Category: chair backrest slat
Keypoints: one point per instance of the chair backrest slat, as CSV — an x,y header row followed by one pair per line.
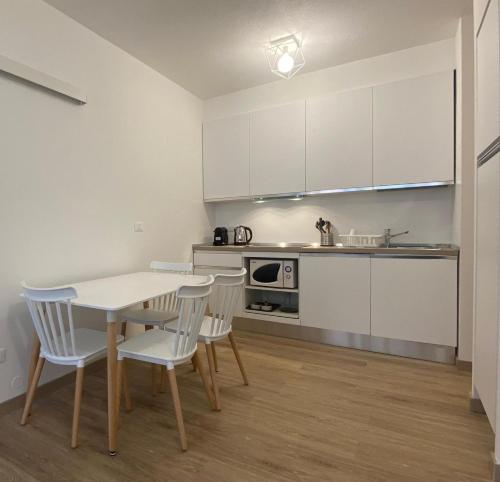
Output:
x,y
50,323
193,300
169,302
61,328
223,300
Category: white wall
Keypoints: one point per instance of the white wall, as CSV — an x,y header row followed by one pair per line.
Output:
x,y
74,179
427,213
422,60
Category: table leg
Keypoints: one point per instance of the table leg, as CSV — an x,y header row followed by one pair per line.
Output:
x,y
112,378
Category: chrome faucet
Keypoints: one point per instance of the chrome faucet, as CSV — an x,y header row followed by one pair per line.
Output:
x,y
388,236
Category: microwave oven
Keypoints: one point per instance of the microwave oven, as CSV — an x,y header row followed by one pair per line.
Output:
x,y
277,273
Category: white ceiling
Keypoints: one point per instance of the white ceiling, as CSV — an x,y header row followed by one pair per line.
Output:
x,y
213,47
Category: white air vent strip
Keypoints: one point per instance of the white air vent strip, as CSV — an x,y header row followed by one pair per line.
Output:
x,y
41,79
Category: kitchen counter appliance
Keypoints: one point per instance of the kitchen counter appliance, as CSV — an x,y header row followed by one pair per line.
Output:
x,y
242,235
220,236
276,273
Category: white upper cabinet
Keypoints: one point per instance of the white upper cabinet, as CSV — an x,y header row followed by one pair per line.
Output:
x,y
414,299
339,141
488,79
413,130
226,157
277,150
335,292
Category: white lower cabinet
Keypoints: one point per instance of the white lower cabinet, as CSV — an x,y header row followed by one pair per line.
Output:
x,y
335,292
414,299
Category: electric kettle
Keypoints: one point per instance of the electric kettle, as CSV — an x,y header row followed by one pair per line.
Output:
x,y
242,235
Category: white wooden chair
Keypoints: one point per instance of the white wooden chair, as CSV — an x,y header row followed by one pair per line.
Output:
x,y
62,344
170,349
226,292
157,311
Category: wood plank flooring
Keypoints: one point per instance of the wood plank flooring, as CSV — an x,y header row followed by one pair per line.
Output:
x,y
311,413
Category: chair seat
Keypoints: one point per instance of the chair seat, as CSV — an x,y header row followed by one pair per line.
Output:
x,y
155,346
149,316
89,345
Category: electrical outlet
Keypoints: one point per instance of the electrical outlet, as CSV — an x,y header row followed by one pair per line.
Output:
x,y
138,227
3,354
17,382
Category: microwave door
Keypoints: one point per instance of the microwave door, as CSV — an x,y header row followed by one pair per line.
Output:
x,y
269,274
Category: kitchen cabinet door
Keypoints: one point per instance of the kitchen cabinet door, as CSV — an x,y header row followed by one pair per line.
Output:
x,y
487,284
335,292
488,79
339,141
414,299
277,150
226,157
413,130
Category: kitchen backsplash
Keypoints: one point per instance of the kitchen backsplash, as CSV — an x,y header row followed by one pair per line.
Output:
x,y
427,213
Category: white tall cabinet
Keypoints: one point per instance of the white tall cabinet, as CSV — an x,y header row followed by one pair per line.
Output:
x,y
413,125
486,357
277,149
339,141
335,292
487,284
226,158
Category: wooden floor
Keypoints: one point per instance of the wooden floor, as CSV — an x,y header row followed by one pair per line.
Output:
x,y
311,412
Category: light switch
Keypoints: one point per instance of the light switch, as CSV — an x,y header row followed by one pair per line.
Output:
x,y
138,227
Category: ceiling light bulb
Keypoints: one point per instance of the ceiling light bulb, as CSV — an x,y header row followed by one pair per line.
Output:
x,y
285,63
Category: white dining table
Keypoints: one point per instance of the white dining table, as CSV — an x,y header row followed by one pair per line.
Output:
x,y
112,295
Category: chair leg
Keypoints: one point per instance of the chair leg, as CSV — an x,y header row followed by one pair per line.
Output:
x,y
211,366
163,379
31,391
206,382
35,355
177,407
76,407
193,361
119,380
154,383
238,358
128,400
124,329
215,356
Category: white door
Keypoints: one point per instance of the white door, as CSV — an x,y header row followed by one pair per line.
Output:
x,y
277,150
488,79
487,284
414,299
339,141
334,292
413,130
226,157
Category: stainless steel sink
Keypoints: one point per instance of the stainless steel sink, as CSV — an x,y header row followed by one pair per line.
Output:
x,y
420,246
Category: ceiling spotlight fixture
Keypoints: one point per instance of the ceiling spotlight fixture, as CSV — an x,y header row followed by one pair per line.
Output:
x,y
285,56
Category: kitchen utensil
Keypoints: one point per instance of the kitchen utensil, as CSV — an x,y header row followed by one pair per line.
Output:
x,y
326,232
242,235
362,240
